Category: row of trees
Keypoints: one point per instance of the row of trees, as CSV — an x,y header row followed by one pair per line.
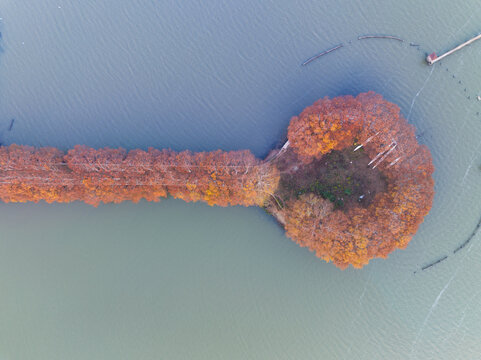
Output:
x,y
115,175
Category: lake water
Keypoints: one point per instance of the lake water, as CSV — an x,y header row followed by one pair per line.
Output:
x,y
187,281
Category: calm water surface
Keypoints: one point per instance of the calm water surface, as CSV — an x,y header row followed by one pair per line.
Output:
x,y
188,281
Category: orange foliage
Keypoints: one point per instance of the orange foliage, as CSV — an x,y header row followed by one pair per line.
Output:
x,y
356,235
346,237
114,175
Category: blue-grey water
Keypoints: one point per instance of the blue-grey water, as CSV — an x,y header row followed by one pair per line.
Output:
x,y
172,280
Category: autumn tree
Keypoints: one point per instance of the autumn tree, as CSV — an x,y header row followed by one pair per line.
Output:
x,y
115,175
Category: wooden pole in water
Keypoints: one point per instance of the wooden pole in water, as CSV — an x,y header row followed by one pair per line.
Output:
x,y
431,60
379,37
321,54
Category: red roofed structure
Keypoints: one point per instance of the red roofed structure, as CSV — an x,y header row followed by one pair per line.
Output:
x,y
430,58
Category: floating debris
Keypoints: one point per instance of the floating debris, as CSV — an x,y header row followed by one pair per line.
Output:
x,y
380,37
434,263
460,247
11,125
478,225
321,54
479,98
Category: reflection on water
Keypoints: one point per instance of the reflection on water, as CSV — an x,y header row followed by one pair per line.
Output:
x,y
189,281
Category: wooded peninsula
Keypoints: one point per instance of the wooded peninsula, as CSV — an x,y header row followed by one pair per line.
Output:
x,y
351,183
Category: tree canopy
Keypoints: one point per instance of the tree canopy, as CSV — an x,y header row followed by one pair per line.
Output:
x,y
356,234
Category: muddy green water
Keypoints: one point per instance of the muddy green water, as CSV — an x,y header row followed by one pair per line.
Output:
x,y
188,281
